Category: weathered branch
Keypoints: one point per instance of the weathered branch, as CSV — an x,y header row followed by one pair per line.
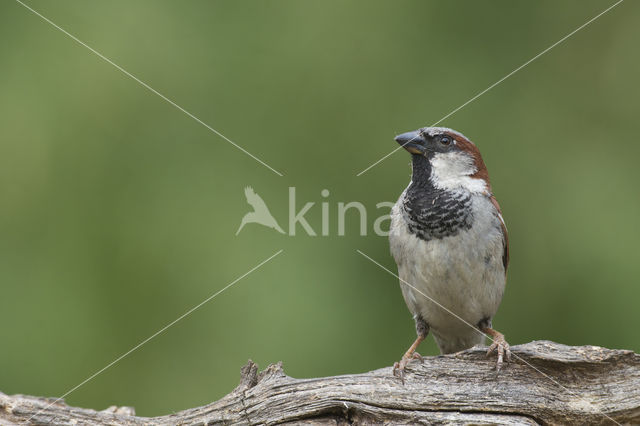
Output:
x,y
573,385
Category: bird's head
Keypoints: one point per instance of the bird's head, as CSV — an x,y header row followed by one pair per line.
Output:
x,y
447,158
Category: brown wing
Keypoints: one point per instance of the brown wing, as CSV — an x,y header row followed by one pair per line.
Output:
x,y
505,236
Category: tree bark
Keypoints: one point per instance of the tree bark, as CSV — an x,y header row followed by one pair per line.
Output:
x,y
545,383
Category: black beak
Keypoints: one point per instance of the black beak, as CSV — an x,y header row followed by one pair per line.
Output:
x,y
412,141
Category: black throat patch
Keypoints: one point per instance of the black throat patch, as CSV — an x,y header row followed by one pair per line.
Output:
x,y
433,213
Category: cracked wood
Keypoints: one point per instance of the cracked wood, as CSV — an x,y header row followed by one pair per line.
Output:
x,y
585,385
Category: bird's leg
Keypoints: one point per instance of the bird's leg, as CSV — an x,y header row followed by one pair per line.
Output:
x,y
398,367
499,343
422,329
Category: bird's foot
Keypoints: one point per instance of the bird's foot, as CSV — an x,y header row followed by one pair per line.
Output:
x,y
398,367
504,352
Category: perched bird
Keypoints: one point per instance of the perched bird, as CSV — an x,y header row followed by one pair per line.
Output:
x,y
449,240
260,213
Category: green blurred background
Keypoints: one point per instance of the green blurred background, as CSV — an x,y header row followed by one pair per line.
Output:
x,y
119,212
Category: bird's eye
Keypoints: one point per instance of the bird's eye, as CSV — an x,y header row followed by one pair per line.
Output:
x,y
445,140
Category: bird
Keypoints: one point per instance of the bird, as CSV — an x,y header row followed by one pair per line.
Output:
x,y
449,241
260,213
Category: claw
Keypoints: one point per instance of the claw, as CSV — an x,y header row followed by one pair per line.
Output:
x,y
398,371
398,367
502,347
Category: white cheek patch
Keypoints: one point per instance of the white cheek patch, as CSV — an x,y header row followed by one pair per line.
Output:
x,y
453,170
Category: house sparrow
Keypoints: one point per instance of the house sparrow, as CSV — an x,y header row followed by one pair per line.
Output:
x,y
449,240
